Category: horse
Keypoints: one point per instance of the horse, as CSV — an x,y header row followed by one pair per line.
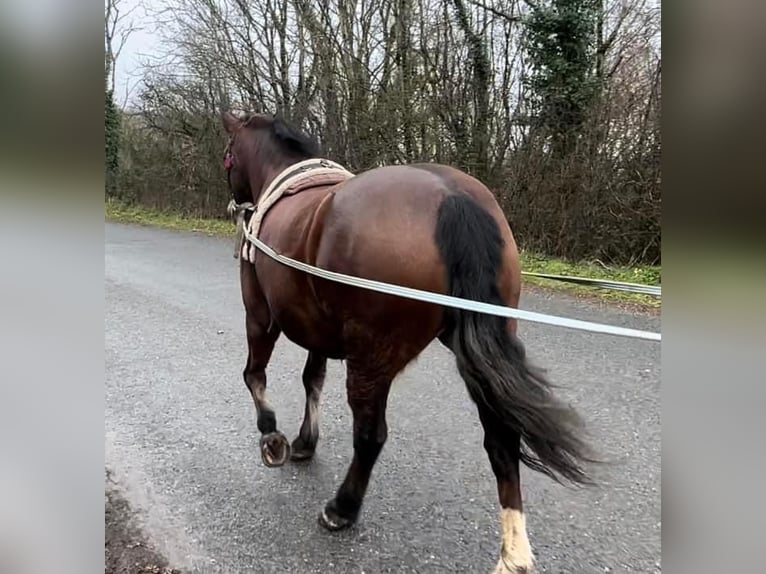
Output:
x,y
426,226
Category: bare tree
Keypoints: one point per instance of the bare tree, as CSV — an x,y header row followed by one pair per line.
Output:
x,y
393,81
118,27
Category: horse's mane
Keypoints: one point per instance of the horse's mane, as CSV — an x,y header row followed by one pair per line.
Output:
x,y
290,139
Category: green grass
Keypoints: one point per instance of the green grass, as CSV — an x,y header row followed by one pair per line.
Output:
x,y
643,274
117,211
647,275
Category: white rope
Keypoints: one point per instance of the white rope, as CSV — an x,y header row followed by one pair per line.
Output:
x,y
449,301
286,175
603,283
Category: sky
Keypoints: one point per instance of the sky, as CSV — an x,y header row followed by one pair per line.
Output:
x,y
141,43
145,42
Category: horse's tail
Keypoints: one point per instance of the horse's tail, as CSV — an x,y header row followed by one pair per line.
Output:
x,y
513,394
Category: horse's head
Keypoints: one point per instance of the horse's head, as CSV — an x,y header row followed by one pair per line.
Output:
x,y
260,146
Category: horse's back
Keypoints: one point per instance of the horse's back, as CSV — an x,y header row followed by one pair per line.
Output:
x,y
381,226
385,221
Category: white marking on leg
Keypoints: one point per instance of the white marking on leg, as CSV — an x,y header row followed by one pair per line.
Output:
x,y
516,556
259,397
314,417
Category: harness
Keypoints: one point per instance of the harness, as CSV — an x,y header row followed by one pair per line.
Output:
x,y
320,172
311,173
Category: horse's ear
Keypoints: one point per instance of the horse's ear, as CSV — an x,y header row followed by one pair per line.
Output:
x,y
259,121
231,123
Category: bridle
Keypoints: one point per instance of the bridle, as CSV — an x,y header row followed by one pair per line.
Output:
x,y
237,211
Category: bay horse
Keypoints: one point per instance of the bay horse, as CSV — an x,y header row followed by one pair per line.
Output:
x,y
426,226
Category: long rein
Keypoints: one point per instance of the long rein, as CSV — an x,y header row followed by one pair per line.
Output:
x,y
238,211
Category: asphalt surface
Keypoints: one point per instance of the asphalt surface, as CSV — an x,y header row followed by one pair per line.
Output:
x,y
181,436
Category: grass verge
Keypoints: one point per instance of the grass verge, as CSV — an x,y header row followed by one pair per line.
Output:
x,y
643,274
647,275
117,211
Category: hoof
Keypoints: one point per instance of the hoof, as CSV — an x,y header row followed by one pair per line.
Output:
x,y
275,450
332,521
301,451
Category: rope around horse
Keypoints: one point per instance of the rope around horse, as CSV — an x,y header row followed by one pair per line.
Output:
x,y
437,298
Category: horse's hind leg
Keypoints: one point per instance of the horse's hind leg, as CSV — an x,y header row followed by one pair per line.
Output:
x,y
260,341
313,381
367,397
504,454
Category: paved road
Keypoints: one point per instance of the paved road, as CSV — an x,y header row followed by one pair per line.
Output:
x,y
181,436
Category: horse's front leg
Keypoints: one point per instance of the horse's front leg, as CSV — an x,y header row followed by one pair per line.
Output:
x,y
275,449
313,381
